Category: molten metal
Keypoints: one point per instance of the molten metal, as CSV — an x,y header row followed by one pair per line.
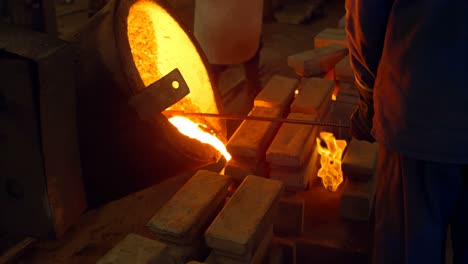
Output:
x,y
330,160
159,45
193,130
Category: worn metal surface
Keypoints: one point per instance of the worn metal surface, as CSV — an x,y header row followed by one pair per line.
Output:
x,y
40,161
160,95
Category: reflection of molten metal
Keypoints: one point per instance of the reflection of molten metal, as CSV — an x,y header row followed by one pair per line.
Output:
x,y
192,130
330,160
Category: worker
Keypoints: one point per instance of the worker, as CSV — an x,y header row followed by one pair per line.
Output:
x,y
410,60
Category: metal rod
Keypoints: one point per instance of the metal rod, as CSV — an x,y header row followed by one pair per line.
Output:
x,y
258,118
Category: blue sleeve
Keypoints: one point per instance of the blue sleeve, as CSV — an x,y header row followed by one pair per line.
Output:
x,y
366,25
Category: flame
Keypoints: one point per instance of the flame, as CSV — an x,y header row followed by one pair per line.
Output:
x,y
333,97
330,160
335,92
193,130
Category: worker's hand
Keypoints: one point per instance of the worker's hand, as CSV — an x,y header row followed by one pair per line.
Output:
x,y
361,119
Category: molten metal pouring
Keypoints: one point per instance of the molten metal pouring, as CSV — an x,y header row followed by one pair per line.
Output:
x,y
171,113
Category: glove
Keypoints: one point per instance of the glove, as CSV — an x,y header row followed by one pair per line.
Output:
x,y
361,119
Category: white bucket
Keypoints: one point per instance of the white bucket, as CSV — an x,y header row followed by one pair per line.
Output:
x,y
228,31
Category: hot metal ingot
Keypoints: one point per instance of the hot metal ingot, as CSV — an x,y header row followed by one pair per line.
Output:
x,y
160,95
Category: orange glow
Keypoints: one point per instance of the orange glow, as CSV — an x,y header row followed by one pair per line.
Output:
x,y
330,160
193,130
296,92
330,75
335,92
159,45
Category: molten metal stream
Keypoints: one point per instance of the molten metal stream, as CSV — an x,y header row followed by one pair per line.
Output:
x,y
193,130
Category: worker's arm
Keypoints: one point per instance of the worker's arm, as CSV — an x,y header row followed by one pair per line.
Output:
x,y
366,24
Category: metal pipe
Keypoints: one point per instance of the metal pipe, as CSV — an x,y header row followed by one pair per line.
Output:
x,y
172,113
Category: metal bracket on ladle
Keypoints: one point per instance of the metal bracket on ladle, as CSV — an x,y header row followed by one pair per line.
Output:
x,y
160,95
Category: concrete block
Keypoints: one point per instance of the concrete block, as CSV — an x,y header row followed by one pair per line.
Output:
x,y
330,36
239,227
269,9
314,97
348,89
297,180
288,247
347,99
342,22
181,254
347,93
252,138
357,199
293,143
277,93
258,257
186,215
290,219
342,111
316,61
211,258
343,71
345,104
298,12
238,170
360,160
139,250
276,255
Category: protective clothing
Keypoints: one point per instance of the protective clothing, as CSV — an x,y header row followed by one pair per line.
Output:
x,y
415,202
361,119
413,55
